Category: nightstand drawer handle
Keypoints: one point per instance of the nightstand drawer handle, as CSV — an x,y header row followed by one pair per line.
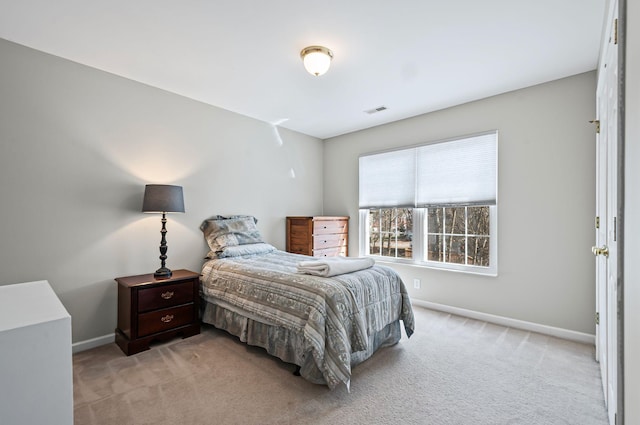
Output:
x,y
167,295
167,318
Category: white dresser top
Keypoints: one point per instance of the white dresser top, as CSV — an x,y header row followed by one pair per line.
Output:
x,y
25,304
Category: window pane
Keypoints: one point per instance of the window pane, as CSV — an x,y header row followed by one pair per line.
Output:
x,y
374,218
388,244
455,249
405,222
374,244
479,251
434,251
387,219
434,220
405,232
478,218
455,220
374,232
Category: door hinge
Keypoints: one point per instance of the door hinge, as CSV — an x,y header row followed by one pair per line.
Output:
x,y
597,318
615,228
615,31
597,123
597,222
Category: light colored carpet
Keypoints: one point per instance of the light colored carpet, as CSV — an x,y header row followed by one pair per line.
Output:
x,y
453,370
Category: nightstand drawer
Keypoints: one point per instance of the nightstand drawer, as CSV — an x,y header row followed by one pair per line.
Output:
x,y
162,320
165,296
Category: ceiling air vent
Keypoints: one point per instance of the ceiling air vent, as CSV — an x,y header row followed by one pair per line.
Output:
x,y
376,110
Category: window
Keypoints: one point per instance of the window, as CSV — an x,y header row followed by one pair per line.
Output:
x,y
390,231
459,235
432,205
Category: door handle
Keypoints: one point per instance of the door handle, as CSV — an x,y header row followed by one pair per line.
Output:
x,y
600,251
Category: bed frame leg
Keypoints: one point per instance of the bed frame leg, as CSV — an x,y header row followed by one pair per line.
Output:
x,y
297,371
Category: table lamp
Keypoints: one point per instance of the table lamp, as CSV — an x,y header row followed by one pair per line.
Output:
x,y
163,198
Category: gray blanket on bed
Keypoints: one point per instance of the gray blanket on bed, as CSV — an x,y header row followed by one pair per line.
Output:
x,y
336,315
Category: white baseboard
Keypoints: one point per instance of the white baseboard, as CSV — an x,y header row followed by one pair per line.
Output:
x,y
512,323
491,318
92,343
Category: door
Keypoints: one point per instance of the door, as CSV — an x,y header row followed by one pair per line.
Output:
x,y
606,221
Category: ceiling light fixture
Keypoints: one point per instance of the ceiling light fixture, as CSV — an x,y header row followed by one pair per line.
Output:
x,y
317,59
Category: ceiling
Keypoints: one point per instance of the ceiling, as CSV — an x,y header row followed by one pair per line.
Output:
x,y
412,56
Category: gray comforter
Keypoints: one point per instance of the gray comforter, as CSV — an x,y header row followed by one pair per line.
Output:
x,y
336,316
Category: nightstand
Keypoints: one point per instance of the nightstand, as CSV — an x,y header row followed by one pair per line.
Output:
x,y
156,309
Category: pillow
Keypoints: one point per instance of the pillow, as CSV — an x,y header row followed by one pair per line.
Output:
x,y
249,249
224,232
221,217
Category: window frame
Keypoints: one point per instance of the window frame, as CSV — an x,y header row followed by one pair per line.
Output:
x,y
449,173
420,239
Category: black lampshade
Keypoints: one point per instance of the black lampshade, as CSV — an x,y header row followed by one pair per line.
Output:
x,y
162,198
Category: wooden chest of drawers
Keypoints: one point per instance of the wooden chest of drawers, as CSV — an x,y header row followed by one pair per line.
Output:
x,y
156,309
320,236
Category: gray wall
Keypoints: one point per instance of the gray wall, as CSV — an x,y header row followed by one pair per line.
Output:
x,y
546,204
631,221
78,145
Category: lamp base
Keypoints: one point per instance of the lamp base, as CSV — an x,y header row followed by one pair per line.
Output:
x,y
162,273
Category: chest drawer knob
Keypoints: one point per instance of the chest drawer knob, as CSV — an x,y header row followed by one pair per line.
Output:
x,y
166,319
167,295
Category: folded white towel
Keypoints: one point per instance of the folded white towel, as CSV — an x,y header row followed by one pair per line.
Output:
x,y
332,266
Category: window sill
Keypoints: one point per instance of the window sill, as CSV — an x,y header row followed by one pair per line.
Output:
x,y
480,271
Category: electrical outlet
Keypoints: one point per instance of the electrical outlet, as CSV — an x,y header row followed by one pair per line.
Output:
x,y
416,283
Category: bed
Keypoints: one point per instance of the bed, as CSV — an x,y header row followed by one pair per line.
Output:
x,y
324,325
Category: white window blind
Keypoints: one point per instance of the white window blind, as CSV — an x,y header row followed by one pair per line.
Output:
x,y
457,172
388,179
461,171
